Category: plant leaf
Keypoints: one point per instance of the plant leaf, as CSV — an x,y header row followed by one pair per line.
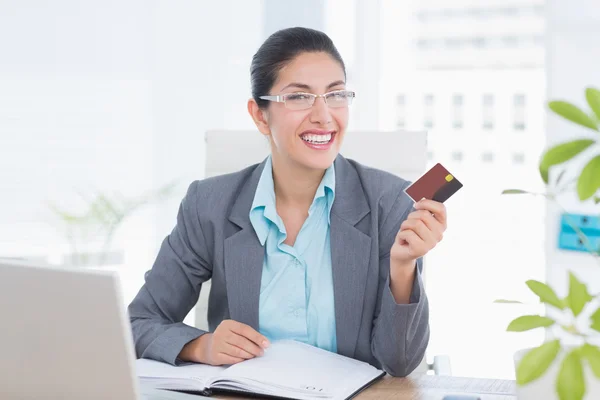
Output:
x,y
572,113
536,361
595,318
569,382
596,199
561,153
578,295
592,96
592,354
545,293
589,179
528,322
514,191
504,301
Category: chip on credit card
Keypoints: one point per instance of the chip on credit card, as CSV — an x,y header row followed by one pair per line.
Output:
x,y
436,184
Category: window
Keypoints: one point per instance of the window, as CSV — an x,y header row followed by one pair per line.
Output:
x,y
474,12
453,42
428,111
518,158
539,40
539,10
510,11
487,157
457,111
401,107
519,112
488,111
457,156
457,96
422,16
424,43
480,42
510,41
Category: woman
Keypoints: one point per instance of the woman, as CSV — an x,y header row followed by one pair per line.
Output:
x,y
306,245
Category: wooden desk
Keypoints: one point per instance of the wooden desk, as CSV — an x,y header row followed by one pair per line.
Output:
x,y
430,387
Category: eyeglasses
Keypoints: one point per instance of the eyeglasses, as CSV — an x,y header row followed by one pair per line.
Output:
x,y
303,101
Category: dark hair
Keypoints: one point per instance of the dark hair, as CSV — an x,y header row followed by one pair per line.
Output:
x,y
280,49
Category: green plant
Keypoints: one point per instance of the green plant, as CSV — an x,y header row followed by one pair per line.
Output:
x,y
570,383
104,213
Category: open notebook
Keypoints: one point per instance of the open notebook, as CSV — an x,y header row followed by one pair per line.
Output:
x,y
288,369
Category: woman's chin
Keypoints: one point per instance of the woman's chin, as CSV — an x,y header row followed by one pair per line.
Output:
x,y
320,162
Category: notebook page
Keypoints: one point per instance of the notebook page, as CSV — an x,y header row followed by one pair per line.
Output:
x,y
166,376
303,369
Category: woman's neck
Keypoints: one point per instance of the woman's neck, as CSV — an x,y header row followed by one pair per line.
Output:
x,y
295,186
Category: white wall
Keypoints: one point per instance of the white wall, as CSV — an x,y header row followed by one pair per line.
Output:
x,y
572,59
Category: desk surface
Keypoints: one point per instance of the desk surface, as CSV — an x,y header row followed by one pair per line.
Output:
x,y
429,387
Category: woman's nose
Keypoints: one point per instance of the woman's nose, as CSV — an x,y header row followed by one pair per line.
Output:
x,y
320,112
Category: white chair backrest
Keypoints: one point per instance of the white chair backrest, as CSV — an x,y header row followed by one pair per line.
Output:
x,y
403,153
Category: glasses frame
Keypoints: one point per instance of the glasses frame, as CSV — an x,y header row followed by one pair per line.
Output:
x,y
281,98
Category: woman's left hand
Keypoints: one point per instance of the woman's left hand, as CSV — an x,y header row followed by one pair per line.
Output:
x,y
422,230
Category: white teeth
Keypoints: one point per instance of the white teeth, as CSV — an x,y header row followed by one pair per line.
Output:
x,y
317,139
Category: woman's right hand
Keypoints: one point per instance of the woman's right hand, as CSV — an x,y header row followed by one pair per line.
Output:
x,y
231,343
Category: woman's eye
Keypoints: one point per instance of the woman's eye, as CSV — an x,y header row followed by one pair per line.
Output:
x,y
297,96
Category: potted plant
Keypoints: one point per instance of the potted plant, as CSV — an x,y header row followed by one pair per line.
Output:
x,y
567,365
90,233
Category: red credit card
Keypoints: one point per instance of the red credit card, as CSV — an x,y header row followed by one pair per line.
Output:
x,y
436,184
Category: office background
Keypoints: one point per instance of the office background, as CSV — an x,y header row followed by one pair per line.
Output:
x,y
114,97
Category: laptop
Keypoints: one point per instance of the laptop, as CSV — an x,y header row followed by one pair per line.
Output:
x,y
65,335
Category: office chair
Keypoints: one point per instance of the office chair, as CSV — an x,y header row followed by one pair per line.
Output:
x,y
403,153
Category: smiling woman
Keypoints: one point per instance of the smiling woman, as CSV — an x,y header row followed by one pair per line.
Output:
x,y
306,245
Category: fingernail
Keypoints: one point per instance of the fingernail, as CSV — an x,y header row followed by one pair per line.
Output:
x,y
265,344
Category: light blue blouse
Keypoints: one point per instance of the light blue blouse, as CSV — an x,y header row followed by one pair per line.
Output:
x,y
296,291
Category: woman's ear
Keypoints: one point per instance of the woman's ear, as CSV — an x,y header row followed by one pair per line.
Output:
x,y
259,117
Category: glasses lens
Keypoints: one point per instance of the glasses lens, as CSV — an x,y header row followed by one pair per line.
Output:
x,y
342,98
298,101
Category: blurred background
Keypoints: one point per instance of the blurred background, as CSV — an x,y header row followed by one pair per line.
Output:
x,y
104,106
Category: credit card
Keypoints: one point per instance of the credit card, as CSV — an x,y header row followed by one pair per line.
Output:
x,y
436,184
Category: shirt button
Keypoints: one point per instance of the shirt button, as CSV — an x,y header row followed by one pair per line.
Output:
x,y
297,263
297,313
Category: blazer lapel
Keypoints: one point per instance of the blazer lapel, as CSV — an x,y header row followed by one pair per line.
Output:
x,y
350,250
244,257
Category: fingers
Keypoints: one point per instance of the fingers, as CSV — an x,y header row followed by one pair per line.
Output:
x,y
413,240
419,227
233,342
436,208
432,224
250,334
245,348
408,236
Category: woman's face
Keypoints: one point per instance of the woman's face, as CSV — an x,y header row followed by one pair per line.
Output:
x,y
309,138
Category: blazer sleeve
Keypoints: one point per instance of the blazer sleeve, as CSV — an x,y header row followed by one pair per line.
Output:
x,y
172,288
400,331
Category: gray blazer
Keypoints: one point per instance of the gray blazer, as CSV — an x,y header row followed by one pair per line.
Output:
x,y
213,239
